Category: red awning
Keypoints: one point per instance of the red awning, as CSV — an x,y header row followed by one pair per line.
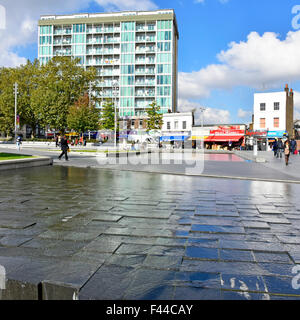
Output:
x,y
223,138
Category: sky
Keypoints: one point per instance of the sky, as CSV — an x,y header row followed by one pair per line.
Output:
x,y
228,49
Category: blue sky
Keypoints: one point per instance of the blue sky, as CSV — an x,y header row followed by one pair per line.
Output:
x,y
227,49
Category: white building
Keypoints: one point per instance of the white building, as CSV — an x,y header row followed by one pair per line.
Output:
x,y
179,122
273,112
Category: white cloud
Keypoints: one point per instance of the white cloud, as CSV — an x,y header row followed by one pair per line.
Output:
x,y
210,115
22,17
244,114
260,61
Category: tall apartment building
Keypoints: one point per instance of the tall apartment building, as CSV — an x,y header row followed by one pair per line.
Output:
x,y
134,53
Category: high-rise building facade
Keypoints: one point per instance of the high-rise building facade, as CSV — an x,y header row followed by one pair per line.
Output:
x,y
134,53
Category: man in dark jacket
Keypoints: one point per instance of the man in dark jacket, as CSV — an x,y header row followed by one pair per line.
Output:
x,y
64,147
293,145
275,148
280,148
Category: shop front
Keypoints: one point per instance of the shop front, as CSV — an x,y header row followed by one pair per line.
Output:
x,y
220,137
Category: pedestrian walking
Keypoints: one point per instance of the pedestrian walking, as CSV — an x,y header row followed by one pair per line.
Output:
x,y
64,147
280,148
56,141
19,142
275,147
293,146
287,151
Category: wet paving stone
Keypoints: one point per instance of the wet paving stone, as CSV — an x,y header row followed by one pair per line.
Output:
x,y
106,238
236,255
201,253
198,279
281,285
108,283
272,257
244,283
216,229
197,293
163,262
157,293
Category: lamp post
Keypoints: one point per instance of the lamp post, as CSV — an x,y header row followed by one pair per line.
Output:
x,y
115,88
16,102
202,109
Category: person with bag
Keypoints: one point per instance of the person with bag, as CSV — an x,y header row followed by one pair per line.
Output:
x,y
287,151
64,148
280,148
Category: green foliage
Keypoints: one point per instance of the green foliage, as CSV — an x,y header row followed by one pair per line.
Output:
x,y
46,92
83,116
7,100
155,118
61,82
107,121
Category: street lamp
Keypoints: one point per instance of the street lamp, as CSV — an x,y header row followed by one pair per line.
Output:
x,y
202,109
115,85
16,102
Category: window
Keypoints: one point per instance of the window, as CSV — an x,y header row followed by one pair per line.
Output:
x,y
276,122
78,28
168,125
163,79
79,38
128,36
129,80
262,107
262,123
164,68
164,46
164,58
128,26
183,124
127,91
127,69
176,125
127,47
276,106
164,35
127,58
164,24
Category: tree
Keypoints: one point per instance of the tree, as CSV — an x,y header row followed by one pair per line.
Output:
x,y
107,121
7,100
27,76
62,81
155,118
83,116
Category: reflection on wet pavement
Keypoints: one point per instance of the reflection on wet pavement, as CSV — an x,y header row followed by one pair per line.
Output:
x,y
97,234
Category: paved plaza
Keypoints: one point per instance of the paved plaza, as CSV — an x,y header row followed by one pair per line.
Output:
x,y
79,233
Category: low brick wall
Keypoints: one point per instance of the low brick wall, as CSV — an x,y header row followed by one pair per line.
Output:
x,y
25,163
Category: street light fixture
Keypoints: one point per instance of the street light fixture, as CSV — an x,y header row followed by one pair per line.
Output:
x,y
202,110
115,85
16,102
